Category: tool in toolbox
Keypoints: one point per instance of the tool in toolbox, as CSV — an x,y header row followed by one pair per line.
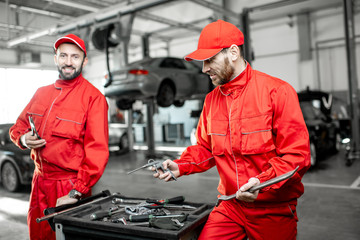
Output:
x,y
136,210
173,203
50,213
124,222
178,199
172,206
157,164
105,213
262,185
147,217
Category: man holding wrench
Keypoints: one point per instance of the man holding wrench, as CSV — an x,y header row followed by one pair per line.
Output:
x,y
252,129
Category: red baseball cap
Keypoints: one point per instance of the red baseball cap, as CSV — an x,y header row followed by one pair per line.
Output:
x,y
71,38
213,38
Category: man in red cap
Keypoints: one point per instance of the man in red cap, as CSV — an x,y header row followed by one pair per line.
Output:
x,y
252,129
71,152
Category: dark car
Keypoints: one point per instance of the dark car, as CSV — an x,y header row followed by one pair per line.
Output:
x,y
323,129
16,166
168,80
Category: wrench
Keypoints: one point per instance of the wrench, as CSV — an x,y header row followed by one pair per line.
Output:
x,y
261,185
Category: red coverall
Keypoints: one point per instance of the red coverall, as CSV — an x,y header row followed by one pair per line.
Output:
x,y
71,115
251,127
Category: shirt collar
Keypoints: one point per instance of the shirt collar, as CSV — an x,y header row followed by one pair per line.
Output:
x,y
237,82
60,83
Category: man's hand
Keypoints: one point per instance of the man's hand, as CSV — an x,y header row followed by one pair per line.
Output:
x,y
33,142
244,195
172,166
65,200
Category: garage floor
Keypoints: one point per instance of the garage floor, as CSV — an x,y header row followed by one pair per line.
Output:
x,y
329,209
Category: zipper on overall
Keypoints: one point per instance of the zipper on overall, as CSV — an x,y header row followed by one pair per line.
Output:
x,y
47,116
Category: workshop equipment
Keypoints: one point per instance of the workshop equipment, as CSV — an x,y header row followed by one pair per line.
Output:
x,y
107,219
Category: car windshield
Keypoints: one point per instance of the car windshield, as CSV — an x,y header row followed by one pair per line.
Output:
x,y
172,63
194,65
311,109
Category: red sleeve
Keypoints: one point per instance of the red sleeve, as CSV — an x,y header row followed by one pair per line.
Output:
x,y
291,137
21,125
95,146
197,158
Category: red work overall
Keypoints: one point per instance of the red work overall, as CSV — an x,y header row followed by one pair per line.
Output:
x,y
251,126
71,115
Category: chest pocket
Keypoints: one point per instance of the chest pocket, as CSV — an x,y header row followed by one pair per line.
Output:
x,y
256,135
37,112
69,124
217,132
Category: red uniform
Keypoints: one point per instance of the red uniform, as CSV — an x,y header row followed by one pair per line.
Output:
x,y
71,115
251,127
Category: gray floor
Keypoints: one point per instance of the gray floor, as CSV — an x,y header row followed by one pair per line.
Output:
x,y
329,209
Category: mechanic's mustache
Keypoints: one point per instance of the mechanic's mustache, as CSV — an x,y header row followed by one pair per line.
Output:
x,y
68,66
211,73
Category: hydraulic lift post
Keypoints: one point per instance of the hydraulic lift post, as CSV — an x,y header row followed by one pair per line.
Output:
x,y
150,139
354,152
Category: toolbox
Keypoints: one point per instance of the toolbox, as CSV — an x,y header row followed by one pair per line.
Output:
x,y
80,222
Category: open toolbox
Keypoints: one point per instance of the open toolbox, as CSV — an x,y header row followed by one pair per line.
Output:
x,y
117,217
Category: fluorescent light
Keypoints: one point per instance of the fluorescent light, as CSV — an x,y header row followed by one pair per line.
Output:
x,y
75,5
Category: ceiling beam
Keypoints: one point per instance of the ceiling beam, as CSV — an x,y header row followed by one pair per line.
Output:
x,y
286,8
168,21
75,5
103,15
217,8
35,10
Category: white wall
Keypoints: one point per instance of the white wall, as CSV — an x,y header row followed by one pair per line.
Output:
x,y
276,49
95,70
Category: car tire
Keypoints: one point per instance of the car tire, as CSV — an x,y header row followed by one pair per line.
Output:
x,y
124,143
179,103
124,104
313,153
166,95
337,143
9,177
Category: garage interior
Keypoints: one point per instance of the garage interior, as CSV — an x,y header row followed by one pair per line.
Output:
x,y
311,44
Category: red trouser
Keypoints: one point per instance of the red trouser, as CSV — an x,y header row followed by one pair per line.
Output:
x,y
44,194
239,220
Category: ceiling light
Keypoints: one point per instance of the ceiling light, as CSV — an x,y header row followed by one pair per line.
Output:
x,y
75,5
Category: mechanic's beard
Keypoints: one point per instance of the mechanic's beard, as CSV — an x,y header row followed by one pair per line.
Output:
x,y
69,77
226,74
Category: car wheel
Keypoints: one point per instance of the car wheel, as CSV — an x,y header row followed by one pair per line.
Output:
x,y
166,95
179,103
337,143
9,177
124,142
124,104
313,154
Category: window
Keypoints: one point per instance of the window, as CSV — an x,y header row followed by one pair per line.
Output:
x,y
17,86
